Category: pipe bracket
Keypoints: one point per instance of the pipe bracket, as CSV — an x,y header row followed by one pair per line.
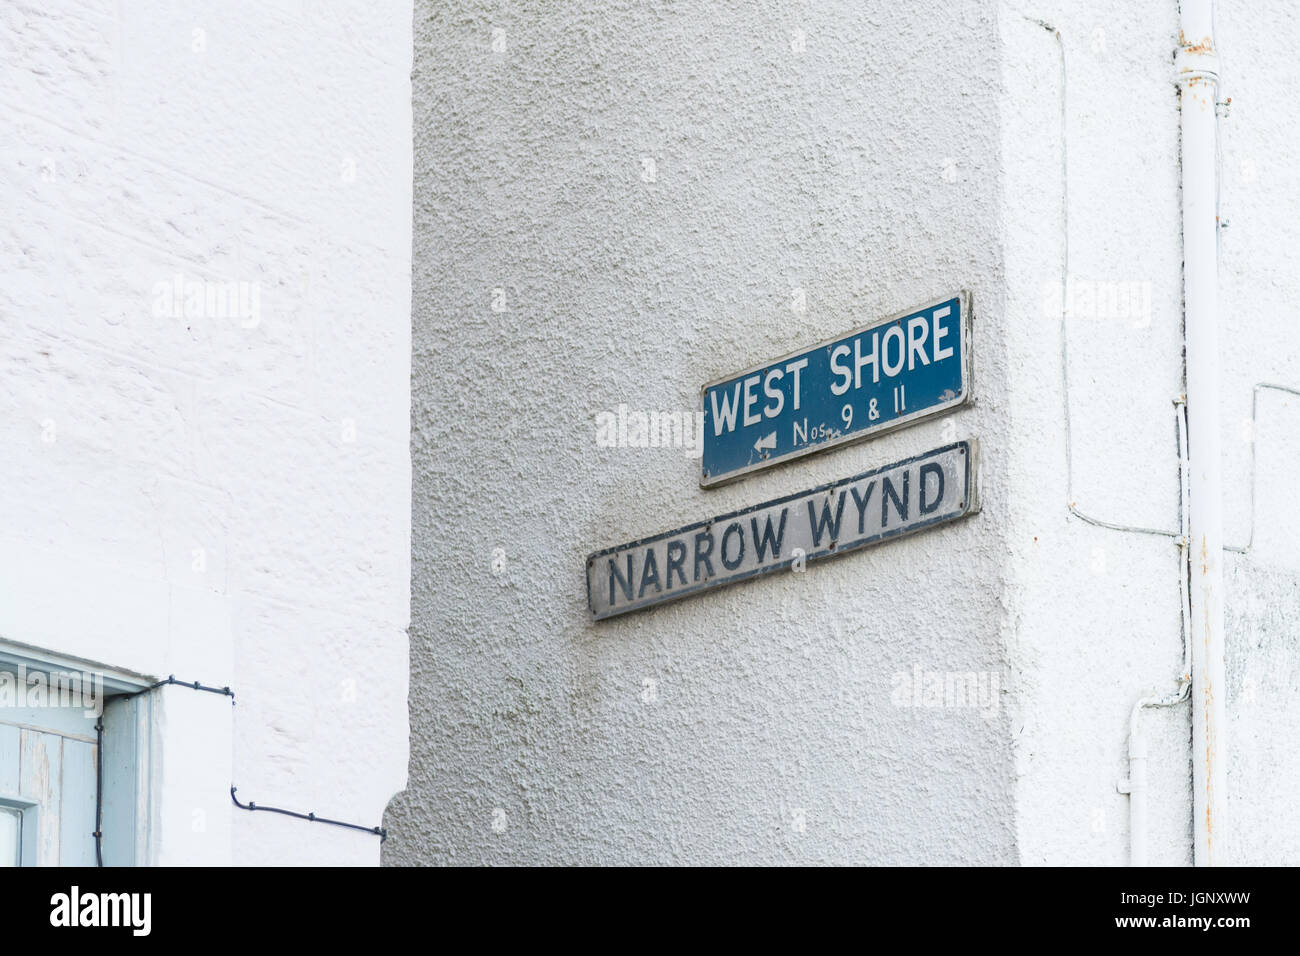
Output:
x,y
1196,63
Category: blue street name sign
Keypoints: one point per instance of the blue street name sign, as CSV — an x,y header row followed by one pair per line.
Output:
x,y
893,372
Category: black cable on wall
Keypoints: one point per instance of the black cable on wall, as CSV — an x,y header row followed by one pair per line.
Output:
x,y
250,806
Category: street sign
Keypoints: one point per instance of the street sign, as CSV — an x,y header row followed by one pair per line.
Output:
x,y
887,374
885,503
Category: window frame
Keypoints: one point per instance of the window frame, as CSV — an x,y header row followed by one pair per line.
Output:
x,y
125,757
28,822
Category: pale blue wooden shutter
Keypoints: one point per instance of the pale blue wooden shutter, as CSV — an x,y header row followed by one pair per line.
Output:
x,y
47,785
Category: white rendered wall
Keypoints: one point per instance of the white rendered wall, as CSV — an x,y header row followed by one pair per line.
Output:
x,y
1098,620
1098,609
615,204
223,498
1261,343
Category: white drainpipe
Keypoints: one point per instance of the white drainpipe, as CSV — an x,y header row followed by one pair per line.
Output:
x,y
1196,65
1135,785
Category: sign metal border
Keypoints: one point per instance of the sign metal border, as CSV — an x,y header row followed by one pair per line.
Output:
x,y
971,505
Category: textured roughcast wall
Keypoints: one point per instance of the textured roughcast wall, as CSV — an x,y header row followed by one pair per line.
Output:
x,y
1096,611
189,493
614,204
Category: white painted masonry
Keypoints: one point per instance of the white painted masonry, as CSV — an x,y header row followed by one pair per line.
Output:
x,y
616,204
216,490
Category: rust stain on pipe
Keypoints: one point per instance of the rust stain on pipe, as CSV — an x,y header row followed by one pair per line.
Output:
x,y
1207,693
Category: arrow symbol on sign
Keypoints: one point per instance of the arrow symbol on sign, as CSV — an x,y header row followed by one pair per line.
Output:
x,y
766,442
